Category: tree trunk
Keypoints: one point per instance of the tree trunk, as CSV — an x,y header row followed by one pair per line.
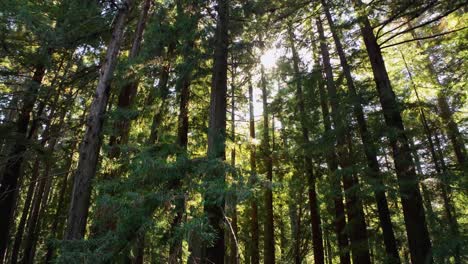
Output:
x,y
269,230
254,240
369,148
89,150
12,170
356,222
312,193
26,207
233,258
129,90
217,131
413,210
59,211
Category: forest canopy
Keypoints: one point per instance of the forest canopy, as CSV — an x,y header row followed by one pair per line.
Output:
x,y
233,131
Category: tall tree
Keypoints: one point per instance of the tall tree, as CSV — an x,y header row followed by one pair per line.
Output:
x,y
269,237
413,210
309,171
217,130
91,143
369,149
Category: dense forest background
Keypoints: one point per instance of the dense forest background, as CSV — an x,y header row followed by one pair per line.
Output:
x,y
233,131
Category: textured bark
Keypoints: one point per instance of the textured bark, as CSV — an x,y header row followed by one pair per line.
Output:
x,y
317,241
269,230
12,170
374,173
217,130
91,143
413,210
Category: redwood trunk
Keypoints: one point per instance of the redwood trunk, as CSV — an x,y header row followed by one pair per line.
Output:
x,y
217,130
413,210
369,149
89,150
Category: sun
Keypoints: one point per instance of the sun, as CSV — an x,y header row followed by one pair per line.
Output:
x,y
269,58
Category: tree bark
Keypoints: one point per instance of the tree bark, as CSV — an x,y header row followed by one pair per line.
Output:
x,y
89,150
374,173
413,210
217,130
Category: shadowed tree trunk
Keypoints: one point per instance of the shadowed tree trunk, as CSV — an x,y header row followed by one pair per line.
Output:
x,y
332,164
413,210
269,230
12,170
254,233
317,242
89,149
369,148
217,133
129,90
24,215
356,222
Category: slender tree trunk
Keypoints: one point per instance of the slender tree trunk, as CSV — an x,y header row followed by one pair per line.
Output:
x,y
217,131
356,221
59,211
89,150
27,205
183,86
332,163
269,230
254,241
369,148
12,171
129,90
413,210
233,258
317,241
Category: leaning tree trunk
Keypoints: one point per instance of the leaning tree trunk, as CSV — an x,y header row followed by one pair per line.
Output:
x,y
354,210
217,132
129,90
12,170
413,210
374,174
91,143
312,193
